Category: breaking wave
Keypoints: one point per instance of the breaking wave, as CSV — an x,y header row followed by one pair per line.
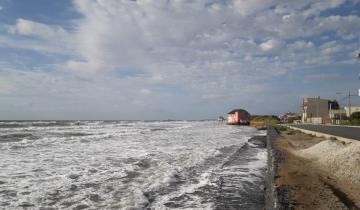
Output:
x,y
129,164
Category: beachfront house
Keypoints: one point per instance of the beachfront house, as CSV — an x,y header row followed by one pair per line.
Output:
x,y
239,117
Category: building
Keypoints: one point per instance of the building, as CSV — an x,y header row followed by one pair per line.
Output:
x,y
239,117
317,110
337,115
289,117
352,110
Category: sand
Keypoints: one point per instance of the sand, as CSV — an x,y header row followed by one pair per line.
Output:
x,y
319,173
340,159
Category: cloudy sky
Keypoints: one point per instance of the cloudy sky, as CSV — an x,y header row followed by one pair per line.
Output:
x,y
177,59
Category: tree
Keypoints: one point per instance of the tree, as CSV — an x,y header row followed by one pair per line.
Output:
x,y
355,116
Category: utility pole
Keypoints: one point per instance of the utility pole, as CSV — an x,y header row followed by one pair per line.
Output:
x,y
349,104
330,113
317,108
349,107
338,93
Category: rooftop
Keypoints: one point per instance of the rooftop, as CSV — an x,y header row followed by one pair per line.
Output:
x,y
238,110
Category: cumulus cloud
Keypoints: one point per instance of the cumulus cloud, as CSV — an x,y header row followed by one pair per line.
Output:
x,y
31,35
206,48
188,38
31,28
248,7
271,45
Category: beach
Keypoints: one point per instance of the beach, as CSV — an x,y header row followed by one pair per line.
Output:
x,y
318,173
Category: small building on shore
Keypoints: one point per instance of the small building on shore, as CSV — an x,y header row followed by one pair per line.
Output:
x,y
239,117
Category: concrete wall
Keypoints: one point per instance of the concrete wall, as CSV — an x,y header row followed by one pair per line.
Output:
x,y
275,197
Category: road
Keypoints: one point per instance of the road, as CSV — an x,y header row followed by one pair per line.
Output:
x,y
342,131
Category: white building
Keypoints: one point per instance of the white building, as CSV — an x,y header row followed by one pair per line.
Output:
x,y
352,110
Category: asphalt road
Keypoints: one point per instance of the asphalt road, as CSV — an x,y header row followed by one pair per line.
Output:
x,y
342,131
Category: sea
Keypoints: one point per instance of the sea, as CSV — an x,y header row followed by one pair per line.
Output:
x,y
131,165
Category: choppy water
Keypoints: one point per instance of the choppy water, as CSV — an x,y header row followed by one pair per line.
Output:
x,y
130,165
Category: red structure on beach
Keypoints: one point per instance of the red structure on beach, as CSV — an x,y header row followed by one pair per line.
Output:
x,y
239,117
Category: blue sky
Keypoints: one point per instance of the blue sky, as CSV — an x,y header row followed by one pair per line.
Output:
x,y
173,59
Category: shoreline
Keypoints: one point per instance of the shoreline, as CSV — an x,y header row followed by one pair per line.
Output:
x,y
303,163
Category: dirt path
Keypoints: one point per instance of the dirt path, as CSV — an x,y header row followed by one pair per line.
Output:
x,y
310,186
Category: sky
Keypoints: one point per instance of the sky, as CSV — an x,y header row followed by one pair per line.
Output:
x,y
174,59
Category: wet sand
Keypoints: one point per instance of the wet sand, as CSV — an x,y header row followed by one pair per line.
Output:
x,y
310,184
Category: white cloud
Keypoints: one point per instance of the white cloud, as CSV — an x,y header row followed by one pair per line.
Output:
x,y
249,7
145,91
205,48
30,35
31,28
172,39
271,45
301,45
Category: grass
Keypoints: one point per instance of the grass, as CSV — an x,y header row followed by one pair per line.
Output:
x,y
263,121
279,128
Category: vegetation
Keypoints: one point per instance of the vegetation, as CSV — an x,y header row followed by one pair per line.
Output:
x,y
355,118
263,121
279,128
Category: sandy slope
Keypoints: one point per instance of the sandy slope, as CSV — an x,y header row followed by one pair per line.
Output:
x,y
319,173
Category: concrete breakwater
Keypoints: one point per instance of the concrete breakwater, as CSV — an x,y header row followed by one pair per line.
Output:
x,y
275,197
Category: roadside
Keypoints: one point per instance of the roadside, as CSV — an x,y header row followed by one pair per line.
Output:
x,y
319,173
339,132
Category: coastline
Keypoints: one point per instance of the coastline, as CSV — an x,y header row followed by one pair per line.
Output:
x,y
276,197
308,172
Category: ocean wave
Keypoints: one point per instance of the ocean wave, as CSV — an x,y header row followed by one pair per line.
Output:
x,y
16,137
118,164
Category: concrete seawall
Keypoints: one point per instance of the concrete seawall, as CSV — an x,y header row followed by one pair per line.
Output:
x,y
275,197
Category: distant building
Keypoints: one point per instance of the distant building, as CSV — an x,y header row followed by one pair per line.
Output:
x,y
289,117
239,117
352,110
337,114
316,110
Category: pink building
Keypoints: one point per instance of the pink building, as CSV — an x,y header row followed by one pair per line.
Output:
x,y
239,117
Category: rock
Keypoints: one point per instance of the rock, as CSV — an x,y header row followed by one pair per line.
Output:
x,y
81,206
74,176
73,187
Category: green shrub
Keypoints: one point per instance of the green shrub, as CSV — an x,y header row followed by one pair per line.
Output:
x,y
280,128
355,116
